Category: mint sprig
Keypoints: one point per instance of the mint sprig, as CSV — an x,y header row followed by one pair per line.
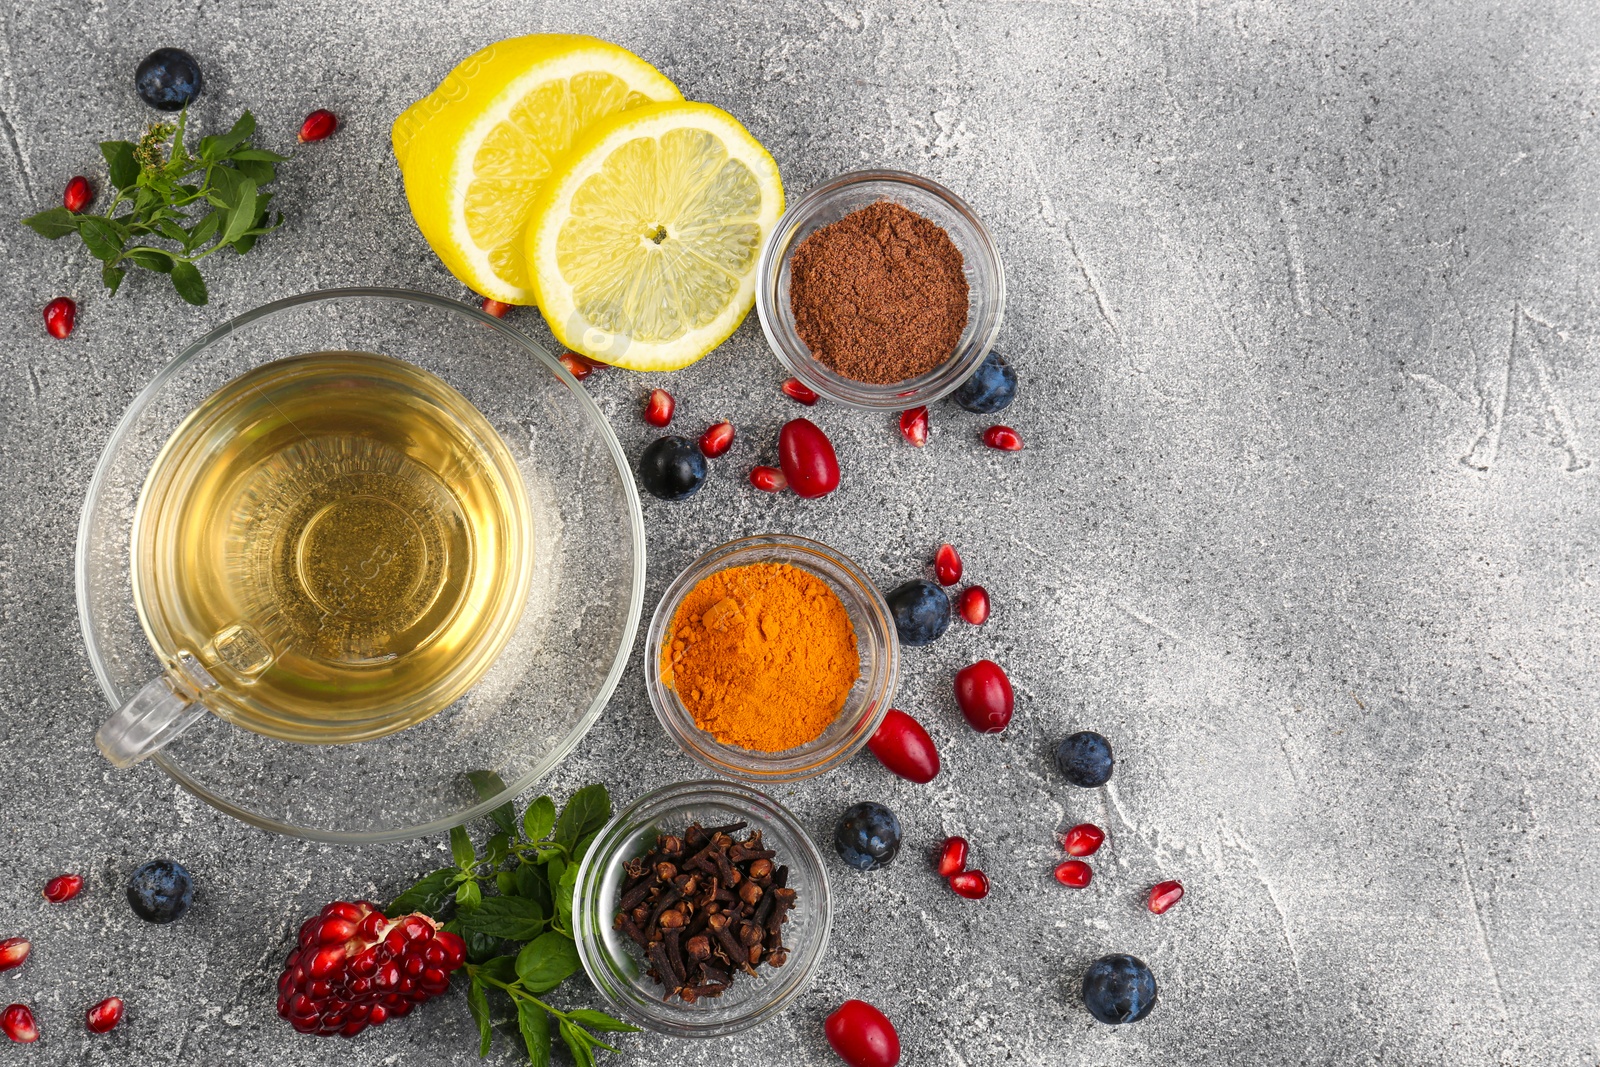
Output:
x,y
513,906
174,208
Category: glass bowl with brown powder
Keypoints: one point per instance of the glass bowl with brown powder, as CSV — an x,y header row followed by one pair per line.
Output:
x,y
771,658
881,289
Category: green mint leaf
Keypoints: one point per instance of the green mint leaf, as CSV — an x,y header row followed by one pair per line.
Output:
x,y
256,155
554,868
599,1020
204,230
499,846
546,962
569,881
581,849
478,1005
501,968
122,166
511,918
169,229
54,224
461,852
186,279
530,883
587,811
260,173
112,277
488,784
535,1027
505,883
468,895
151,259
241,212
577,1044
425,896
539,819
101,238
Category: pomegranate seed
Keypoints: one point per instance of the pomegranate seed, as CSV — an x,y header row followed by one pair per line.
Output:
x,y
14,952
576,365
1074,873
658,407
494,307
953,856
973,604
914,426
77,195
716,440
768,479
62,888
947,565
1163,895
318,126
60,315
1084,839
795,389
104,1016
974,885
903,746
983,692
17,1022
1003,438
807,458
862,1035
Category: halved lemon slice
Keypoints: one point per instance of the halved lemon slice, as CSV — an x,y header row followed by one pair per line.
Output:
x,y
476,151
644,242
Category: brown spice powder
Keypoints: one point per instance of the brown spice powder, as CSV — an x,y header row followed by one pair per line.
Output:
x,y
879,296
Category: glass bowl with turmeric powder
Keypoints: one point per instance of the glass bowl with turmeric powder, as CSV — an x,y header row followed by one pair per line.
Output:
x,y
772,658
881,289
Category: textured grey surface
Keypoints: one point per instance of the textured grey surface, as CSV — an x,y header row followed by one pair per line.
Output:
x,y
1303,303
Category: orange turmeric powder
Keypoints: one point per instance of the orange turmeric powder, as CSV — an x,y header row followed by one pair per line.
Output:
x,y
763,656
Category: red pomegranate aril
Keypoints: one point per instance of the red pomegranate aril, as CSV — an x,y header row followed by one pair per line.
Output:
x,y
798,391
340,909
104,1016
947,565
60,315
434,954
768,479
983,692
62,888
973,605
807,458
327,960
1084,839
1074,873
1003,438
576,365
494,307
14,952
455,948
77,195
17,1022
862,1035
1163,895
914,426
953,856
716,440
318,126
903,746
974,885
412,965
336,930
658,407
371,925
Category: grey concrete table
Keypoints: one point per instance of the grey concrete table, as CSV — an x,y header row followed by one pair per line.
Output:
x,y
1303,300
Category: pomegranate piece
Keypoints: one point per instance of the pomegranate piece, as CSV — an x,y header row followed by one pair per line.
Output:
x,y
953,856
658,407
60,315
1163,895
1084,839
973,605
947,565
1003,438
318,126
576,365
914,426
17,1022
62,888
494,307
716,440
862,1035
352,968
974,885
14,952
807,458
983,692
768,479
77,195
1074,873
104,1016
903,746
796,390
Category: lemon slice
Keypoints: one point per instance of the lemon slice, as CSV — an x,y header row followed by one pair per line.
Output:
x,y
476,151
644,241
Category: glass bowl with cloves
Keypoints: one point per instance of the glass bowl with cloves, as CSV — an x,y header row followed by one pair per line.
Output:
x,y
702,909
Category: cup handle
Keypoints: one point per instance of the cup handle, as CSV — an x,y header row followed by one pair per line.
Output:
x,y
167,705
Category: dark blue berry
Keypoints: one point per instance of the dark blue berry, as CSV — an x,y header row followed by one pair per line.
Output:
x,y
1119,989
168,79
160,891
921,611
672,468
1085,758
991,386
868,835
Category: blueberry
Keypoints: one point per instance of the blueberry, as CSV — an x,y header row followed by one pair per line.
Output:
x,y
160,891
672,468
1119,989
991,387
168,79
1085,758
921,611
868,835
